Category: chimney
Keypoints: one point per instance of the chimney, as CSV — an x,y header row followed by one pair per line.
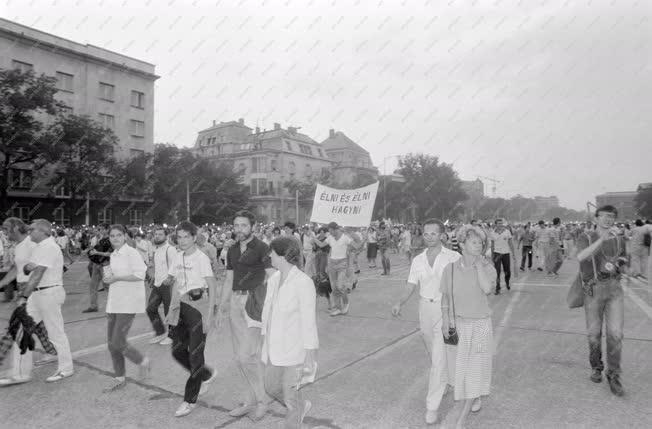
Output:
x,y
257,130
331,133
213,122
241,121
277,126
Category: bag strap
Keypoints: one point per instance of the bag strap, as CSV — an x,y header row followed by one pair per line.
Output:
x,y
453,291
595,271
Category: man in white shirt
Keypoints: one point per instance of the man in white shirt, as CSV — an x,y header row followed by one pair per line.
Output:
x,y
502,249
44,295
337,266
425,271
164,256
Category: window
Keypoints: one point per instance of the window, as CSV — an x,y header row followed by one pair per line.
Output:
x,y
292,169
135,153
61,191
104,216
258,165
135,217
274,165
22,66
270,188
64,82
136,128
242,169
137,99
320,153
308,170
288,145
108,121
107,91
258,187
21,179
23,213
278,213
305,149
60,217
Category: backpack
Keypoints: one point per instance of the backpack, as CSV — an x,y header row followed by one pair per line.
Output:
x,y
647,239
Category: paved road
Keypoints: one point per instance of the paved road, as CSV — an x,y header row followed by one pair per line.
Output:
x,y
373,368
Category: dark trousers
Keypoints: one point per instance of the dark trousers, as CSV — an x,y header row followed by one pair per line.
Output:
x,y
188,340
117,329
526,254
385,260
502,259
9,289
158,295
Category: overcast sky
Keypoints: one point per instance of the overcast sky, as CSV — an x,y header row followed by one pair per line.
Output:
x,y
550,97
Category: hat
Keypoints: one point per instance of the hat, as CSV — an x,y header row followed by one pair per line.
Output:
x,y
333,225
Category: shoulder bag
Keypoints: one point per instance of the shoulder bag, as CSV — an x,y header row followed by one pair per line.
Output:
x,y
575,297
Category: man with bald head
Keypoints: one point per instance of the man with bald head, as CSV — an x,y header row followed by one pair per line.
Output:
x,y
44,295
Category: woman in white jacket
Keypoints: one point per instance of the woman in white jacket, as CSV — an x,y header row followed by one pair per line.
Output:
x,y
290,329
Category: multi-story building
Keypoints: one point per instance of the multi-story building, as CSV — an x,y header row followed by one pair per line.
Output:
x,y
545,203
267,160
623,201
114,89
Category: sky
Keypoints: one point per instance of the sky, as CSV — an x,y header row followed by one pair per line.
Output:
x,y
547,97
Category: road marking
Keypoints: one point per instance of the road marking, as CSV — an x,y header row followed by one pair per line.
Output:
x,y
638,301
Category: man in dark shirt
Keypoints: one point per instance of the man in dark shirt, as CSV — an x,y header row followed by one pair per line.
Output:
x,y
99,256
247,266
603,257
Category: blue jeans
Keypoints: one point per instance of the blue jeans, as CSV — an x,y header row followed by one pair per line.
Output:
x,y
606,304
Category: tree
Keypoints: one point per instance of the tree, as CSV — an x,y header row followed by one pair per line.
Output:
x,y
85,158
308,187
215,191
434,188
23,97
643,201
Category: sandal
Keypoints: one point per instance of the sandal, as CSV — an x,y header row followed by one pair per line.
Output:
x,y
59,376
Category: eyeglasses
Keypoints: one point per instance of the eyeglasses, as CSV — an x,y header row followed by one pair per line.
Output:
x,y
430,234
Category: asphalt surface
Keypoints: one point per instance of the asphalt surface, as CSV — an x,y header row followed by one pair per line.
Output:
x,y
372,367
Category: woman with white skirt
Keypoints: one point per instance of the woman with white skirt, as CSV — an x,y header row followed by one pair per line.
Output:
x,y
465,285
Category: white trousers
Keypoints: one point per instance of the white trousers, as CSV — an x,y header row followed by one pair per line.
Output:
x,y
45,305
441,372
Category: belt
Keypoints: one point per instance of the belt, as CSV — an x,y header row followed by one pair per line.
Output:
x,y
45,287
241,292
607,276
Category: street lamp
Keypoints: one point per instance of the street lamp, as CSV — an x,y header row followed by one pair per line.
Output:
x,y
385,183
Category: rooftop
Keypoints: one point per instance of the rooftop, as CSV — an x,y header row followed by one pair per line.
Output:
x,y
337,140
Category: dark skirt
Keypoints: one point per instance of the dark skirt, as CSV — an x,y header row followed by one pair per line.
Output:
x,y
372,250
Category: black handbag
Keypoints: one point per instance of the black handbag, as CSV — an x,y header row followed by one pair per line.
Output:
x,y
453,338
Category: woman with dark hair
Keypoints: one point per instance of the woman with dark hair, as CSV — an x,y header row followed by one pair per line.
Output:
x,y
322,283
417,245
126,274
372,247
289,328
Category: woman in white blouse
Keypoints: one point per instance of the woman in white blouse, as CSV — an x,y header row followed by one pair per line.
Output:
x,y
290,330
126,298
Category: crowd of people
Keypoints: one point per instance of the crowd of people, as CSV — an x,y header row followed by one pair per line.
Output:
x,y
264,280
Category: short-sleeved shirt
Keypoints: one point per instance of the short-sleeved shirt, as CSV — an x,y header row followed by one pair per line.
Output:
x,y
190,271
127,296
382,238
428,277
611,249
339,246
501,241
22,255
248,267
48,254
528,238
164,256
470,300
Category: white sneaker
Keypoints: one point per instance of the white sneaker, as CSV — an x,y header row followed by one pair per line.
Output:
x,y
14,380
477,405
206,384
158,338
345,310
166,341
431,417
59,376
184,409
306,409
335,312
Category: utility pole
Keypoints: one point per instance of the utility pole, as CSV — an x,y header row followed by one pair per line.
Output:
x,y
187,200
296,204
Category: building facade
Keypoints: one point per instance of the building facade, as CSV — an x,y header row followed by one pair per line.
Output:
x,y
114,89
545,203
267,160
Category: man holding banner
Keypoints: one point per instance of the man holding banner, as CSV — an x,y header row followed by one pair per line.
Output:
x,y
338,263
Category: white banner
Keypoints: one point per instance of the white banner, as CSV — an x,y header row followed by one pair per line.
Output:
x,y
347,207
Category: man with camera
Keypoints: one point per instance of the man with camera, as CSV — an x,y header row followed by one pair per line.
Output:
x,y
603,258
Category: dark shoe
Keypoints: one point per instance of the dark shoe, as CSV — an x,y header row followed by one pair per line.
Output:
x,y
539,269
90,310
357,272
615,385
522,269
497,292
355,283
507,285
596,376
